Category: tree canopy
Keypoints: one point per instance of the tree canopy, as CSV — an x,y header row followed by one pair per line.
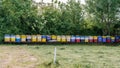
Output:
x,y
96,17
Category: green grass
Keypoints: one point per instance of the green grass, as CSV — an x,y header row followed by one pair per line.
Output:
x,y
68,56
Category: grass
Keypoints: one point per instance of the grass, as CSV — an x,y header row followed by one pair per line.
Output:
x,y
68,56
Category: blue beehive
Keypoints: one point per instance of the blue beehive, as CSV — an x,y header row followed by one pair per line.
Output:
x,y
18,39
100,38
43,39
48,37
44,36
116,38
82,38
72,39
104,39
119,38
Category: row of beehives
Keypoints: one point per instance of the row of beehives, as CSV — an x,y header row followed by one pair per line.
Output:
x,y
60,38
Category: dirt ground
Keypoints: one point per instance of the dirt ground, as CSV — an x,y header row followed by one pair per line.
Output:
x,y
16,57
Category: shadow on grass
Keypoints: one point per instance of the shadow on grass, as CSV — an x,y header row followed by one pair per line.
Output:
x,y
49,64
62,44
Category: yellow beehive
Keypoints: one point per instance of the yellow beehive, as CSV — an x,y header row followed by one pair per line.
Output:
x,y
38,38
12,38
58,38
95,37
43,40
34,38
63,39
54,37
7,38
23,38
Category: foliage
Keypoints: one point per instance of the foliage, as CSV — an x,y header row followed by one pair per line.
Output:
x,y
17,17
104,13
65,19
96,17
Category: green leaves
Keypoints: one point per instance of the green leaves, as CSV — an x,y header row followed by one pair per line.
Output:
x,y
104,12
17,15
25,17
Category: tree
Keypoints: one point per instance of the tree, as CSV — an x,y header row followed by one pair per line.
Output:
x,y
18,17
51,20
72,16
104,13
63,19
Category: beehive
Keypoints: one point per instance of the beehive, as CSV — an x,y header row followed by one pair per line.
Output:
x,y
28,38
34,38
104,39
58,38
82,38
86,39
108,39
100,39
63,38
72,39
48,38
7,38
38,38
90,38
54,37
77,39
68,38
95,38
18,38
43,39
23,38
12,38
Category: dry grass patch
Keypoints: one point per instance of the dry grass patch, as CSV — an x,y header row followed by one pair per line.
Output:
x,y
16,57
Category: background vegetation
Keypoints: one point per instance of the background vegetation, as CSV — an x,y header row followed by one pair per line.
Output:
x,y
96,17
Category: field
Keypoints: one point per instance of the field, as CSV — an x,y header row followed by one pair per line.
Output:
x,y
68,56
